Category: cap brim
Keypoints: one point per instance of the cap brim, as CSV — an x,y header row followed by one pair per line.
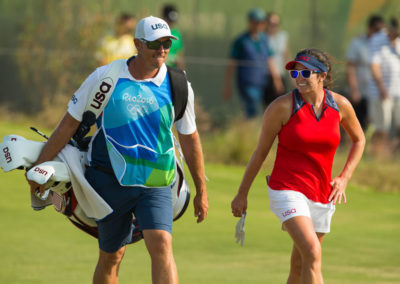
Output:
x,y
158,37
290,65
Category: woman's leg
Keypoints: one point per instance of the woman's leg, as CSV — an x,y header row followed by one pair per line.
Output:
x,y
305,261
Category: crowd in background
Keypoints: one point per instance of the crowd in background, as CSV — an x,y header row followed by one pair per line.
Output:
x,y
258,55
373,73
120,45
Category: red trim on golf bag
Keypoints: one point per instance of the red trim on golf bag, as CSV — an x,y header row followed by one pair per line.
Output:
x,y
70,212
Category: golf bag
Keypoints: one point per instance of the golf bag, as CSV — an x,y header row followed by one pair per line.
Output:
x,y
20,153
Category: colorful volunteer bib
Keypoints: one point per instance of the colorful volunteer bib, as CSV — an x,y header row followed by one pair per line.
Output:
x,y
137,123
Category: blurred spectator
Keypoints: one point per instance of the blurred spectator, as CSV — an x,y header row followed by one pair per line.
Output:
x,y
278,43
358,68
175,56
251,58
384,89
120,44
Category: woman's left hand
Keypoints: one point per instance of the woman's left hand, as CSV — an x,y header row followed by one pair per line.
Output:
x,y
239,205
338,190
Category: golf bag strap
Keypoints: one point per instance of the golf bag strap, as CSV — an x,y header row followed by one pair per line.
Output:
x,y
101,93
179,91
98,99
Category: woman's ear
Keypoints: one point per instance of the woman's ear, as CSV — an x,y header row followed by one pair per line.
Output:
x,y
323,75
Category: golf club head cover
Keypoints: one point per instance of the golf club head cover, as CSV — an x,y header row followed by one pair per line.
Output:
x,y
41,174
18,152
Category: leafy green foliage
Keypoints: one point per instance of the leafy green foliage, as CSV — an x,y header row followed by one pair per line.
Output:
x,y
57,48
48,47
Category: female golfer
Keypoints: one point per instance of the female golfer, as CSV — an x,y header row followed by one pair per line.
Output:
x,y
301,191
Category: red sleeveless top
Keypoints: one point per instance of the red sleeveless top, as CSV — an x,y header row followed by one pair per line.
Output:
x,y
306,148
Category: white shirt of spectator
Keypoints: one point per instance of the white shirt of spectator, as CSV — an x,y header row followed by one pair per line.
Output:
x,y
358,54
388,58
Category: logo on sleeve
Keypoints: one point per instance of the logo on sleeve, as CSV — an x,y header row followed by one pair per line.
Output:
x,y
74,99
100,96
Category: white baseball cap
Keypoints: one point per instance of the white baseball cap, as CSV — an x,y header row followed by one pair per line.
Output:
x,y
152,28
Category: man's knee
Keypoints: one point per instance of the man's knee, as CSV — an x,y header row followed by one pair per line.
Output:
x,y
158,243
113,258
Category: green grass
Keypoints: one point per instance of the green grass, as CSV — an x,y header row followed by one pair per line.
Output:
x,y
43,247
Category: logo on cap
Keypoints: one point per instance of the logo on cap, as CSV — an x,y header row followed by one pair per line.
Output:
x,y
303,58
159,26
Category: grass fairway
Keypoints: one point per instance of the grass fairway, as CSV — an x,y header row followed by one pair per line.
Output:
x,y
43,247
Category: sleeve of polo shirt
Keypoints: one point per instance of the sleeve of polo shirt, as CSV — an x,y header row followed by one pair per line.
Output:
x,y
269,51
77,104
236,49
351,54
187,124
375,45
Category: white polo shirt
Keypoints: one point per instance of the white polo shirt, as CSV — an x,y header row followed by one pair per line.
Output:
x,y
77,104
387,57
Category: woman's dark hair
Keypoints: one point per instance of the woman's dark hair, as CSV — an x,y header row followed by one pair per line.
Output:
x,y
324,58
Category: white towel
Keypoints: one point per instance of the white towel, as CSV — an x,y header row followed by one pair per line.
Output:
x,y
239,233
90,201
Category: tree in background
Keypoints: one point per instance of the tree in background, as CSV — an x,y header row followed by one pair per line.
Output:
x,y
57,44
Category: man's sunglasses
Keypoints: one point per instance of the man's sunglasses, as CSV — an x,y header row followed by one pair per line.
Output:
x,y
155,44
304,73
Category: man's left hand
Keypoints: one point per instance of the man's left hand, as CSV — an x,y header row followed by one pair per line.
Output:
x,y
200,203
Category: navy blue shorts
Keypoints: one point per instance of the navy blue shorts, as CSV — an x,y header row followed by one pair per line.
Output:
x,y
152,208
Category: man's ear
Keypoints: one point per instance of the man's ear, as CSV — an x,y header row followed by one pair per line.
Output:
x,y
138,44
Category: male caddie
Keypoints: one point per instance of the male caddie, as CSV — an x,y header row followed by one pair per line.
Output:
x,y
132,161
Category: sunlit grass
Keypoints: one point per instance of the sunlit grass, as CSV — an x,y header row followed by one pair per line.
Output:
x,y
43,247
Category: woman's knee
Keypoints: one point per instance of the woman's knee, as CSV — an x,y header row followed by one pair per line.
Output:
x,y
312,252
296,264
306,241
